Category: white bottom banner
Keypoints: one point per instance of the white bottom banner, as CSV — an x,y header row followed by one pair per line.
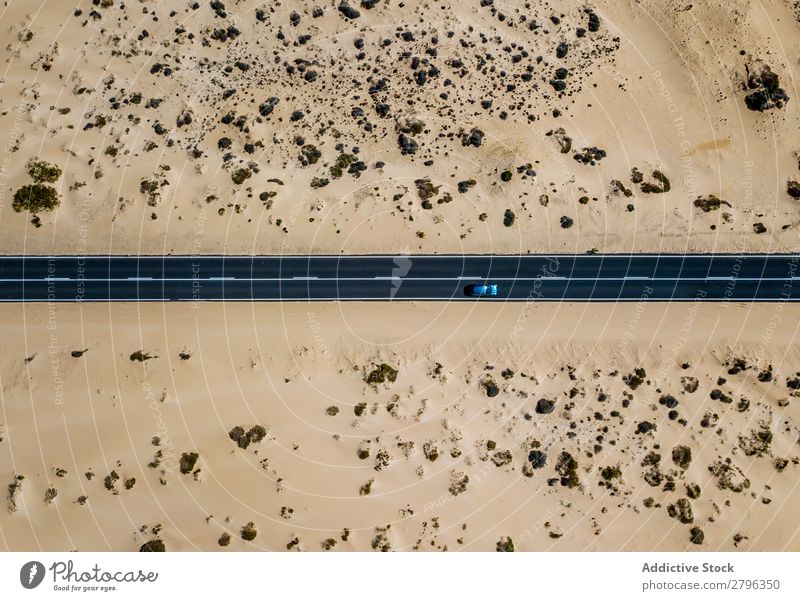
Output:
x,y
400,575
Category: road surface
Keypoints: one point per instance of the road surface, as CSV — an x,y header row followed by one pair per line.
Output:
x,y
400,277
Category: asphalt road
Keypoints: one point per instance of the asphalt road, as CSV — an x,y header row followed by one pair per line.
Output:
x,y
402,277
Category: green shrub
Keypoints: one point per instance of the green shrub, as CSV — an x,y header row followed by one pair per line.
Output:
x,y
249,531
381,374
240,175
42,171
156,545
35,198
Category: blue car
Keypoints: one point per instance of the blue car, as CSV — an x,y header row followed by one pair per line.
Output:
x,y
481,290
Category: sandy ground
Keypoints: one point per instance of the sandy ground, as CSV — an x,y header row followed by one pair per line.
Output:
x,y
433,461
152,108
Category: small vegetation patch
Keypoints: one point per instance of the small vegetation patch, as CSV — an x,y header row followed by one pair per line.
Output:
x,y
682,456
567,468
505,545
636,378
709,203
458,483
681,510
35,198
43,172
383,373
758,442
696,536
245,438
188,461
661,186
610,472
763,89
141,356
249,531
156,545
489,386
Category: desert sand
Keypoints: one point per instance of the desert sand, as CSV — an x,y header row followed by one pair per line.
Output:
x,y
380,126
495,426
